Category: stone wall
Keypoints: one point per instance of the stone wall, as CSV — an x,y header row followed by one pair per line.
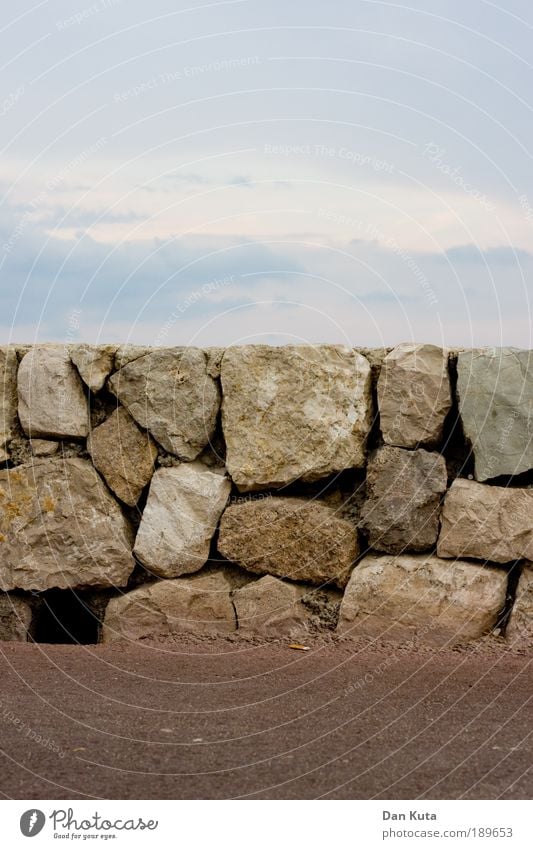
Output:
x,y
266,492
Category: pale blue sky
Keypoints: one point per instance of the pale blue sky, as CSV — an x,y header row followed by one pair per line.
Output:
x,y
216,173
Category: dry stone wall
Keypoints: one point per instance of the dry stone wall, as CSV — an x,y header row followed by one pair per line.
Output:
x,y
266,492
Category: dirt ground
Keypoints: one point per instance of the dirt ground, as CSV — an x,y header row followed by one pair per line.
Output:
x,y
218,718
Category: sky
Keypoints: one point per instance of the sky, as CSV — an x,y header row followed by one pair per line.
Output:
x,y
355,172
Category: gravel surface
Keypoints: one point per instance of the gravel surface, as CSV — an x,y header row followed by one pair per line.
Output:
x,y
217,718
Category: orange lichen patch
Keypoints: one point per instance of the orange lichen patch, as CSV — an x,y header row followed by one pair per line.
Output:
x,y
48,504
2,538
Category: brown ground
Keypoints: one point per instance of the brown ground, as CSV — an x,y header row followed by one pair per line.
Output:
x,y
221,719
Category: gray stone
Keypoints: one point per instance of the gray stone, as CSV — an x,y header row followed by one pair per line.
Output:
x,y
199,604
294,413
15,618
170,393
491,523
404,490
179,520
271,608
94,363
8,399
60,527
290,538
495,389
520,627
52,403
423,598
414,395
123,454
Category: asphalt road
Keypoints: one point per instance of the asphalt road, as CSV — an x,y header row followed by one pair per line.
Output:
x,y
220,719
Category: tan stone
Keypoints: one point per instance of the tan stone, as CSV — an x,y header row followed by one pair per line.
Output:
x,y
404,490
123,454
293,413
270,607
43,447
8,399
60,527
198,604
491,523
421,597
52,403
414,395
15,618
169,393
289,537
520,627
180,518
94,363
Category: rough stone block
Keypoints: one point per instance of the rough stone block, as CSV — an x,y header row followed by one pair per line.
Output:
x,y
293,413
422,597
52,403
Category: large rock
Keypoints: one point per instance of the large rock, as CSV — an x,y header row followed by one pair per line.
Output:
x,y
8,399
414,395
15,618
60,527
520,627
421,597
200,604
94,363
486,522
289,537
293,413
123,454
404,490
495,389
271,608
52,402
170,393
181,515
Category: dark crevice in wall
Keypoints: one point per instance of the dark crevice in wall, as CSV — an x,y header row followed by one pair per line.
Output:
x,y
69,617
515,570
456,449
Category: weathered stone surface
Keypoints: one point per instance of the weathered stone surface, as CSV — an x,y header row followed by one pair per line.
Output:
x,y
127,353
52,402
60,527
486,522
170,393
179,520
293,413
404,490
290,538
520,627
8,399
15,618
421,597
495,389
199,604
43,447
94,363
272,608
414,395
123,454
